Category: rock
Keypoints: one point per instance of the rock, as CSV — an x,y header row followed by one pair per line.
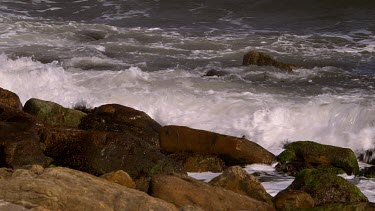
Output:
x,y
6,206
66,189
118,118
183,191
8,114
119,177
344,207
19,145
326,188
313,154
368,156
10,99
368,172
262,59
198,163
53,113
218,73
293,200
230,149
98,152
237,180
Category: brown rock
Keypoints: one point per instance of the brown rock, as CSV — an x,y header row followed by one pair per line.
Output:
x,y
198,163
118,118
9,99
19,145
99,152
119,177
262,59
66,189
293,200
237,180
231,149
183,191
8,114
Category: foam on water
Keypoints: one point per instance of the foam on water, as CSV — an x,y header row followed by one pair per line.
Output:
x,y
178,97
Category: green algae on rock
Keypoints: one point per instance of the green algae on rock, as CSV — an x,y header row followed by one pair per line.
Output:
x,y
53,113
314,154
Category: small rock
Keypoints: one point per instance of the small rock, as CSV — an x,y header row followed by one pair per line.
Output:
x,y
262,59
120,177
368,172
293,200
10,99
230,149
198,163
53,113
237,180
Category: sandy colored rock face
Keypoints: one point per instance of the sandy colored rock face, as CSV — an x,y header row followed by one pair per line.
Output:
x,y
67,189
120,177
292,199
184,191
198,163
230,149
237,180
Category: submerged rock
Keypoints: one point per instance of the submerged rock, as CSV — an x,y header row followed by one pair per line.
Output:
x,y
293,200
310,155
66,189
368,172
237,180
53,113
118,118
262,59
326,188
198,163
10,99
99,152
231,149
19,145
218,73
184,191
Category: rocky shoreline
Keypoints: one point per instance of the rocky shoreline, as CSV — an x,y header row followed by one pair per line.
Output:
x,y
117,158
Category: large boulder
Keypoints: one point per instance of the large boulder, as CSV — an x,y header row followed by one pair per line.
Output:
x,y
310,154
231,149
326,188
67,189
8,114
198,163
19,145
293,200
99,152
53,113
118,118
237,180
10,99
183,191
345,207
262,59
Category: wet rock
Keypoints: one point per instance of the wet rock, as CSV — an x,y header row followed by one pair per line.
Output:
x,y
326,188
345,207
368,156
262,59
66,189
293,200
230,149
198,163
237,180
311,155
118,118
19,145
183,191
8,114
91,35
120,177
99,152
368,172
218,73
10,99
53,113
